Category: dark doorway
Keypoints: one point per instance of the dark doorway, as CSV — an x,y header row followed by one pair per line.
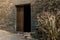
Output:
x,y
27,18
23,18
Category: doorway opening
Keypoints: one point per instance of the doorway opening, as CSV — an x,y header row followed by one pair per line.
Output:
x,y
23,18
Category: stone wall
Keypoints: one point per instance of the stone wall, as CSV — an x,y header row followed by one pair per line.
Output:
x,y
48,19
8,14
51,6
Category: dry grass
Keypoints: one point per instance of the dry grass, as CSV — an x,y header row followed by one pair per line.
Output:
x,y
46,23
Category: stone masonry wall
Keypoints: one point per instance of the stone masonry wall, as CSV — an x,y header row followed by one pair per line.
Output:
x,y
7,15
48,19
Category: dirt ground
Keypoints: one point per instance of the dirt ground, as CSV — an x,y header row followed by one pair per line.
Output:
x,y
5,35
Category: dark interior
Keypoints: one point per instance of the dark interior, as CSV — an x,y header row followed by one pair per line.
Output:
x,y
27,17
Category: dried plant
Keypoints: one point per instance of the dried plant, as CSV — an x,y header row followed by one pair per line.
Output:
x,y
46,28
48,19
46,23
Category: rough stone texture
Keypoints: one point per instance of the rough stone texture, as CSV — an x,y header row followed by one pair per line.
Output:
x,y
33,16
8,12
48,19
7,15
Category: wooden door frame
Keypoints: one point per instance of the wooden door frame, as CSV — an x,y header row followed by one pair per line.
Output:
x,y
21,5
